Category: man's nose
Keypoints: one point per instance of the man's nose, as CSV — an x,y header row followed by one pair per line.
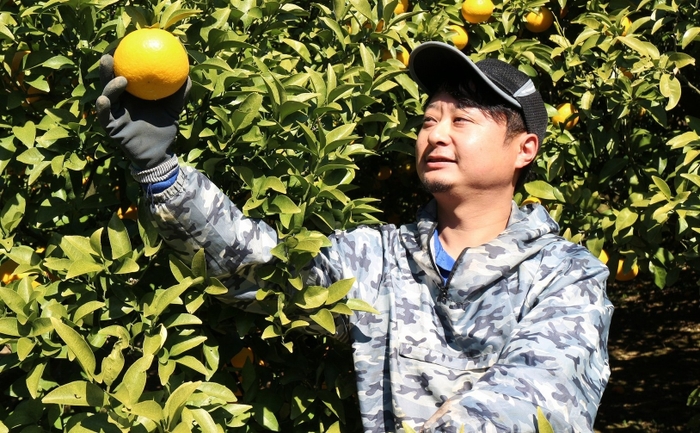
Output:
x,y
440,134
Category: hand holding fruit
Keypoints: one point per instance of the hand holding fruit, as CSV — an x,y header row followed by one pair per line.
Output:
x,y
145,129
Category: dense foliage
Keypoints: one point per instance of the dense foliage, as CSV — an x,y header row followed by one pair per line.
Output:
x,y
304,113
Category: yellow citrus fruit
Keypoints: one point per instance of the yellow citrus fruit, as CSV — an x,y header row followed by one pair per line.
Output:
x,y
7,272
626,73
603,257
530,200
538,22
384,173
401,55
153,61
565,116
238,360
460,39
477,11
131,213
380,25
626,276
401,7
626,23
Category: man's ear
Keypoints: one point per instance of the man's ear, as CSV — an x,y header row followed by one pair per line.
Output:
x,y
529,145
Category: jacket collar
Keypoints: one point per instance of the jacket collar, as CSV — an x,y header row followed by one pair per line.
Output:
x,y
528,231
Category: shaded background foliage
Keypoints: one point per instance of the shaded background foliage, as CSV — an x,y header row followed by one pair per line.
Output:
x,y
304,114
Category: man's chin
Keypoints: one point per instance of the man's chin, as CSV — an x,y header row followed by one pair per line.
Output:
x,y
436,186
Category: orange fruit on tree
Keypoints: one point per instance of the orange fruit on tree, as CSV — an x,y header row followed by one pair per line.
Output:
x,y
401,7
477,11
401,55
239,360
7,272
131,213
603,257
153,61
460,38
531,200
538,22
384,173
566,116
621,275
626,23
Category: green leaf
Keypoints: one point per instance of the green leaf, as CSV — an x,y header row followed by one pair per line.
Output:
x,y
199,264
248,111
12,213
324,318
78,393
217,391
166,297
339,290
118,238
311,297
25,347
82,267
670,87
663,187
543,425
77,344
270,332
182,319
363,7
149,409
302,399
176,401
204,420
300,48
56,62
175,13
34,378
113,364
367,60
265,417
216,288
25,134
360,305
78,248
643,48
85,309
193,363
13,300
626,218
282,204
542,189
689,36
133,383
186,345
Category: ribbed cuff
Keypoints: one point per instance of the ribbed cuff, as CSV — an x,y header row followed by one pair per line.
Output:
x,y
159,173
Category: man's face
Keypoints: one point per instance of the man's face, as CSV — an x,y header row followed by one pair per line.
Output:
x,y
462,150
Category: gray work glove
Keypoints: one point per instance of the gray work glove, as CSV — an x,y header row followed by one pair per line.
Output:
x,y
144,129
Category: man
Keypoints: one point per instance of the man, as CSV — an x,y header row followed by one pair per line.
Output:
x,y
486,315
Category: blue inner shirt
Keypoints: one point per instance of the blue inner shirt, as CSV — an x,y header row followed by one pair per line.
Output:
x,y
444,261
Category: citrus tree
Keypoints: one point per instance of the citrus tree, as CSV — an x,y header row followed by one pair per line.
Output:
x,y
304,114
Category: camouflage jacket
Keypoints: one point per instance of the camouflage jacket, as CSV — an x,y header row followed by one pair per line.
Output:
x,y
521,323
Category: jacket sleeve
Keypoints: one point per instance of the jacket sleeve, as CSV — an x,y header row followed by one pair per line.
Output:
x,y
193,214
556,359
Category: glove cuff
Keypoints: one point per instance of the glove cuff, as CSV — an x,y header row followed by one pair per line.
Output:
x,y
159,173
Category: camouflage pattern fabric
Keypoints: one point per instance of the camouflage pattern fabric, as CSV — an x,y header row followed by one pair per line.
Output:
x,y
522,322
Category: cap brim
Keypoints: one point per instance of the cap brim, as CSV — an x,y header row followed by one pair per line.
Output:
x,y
434,63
